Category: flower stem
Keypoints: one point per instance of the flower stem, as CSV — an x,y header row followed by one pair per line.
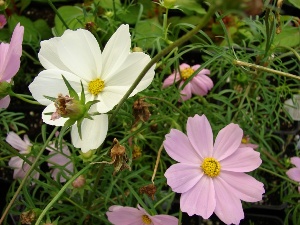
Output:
x,y
34,164
165,51
265,69
19,96
58,14
278,175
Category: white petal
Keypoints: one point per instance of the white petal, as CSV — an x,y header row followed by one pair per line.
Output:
x,y
48,55
116,51
50,83
93,133
47,118
80,52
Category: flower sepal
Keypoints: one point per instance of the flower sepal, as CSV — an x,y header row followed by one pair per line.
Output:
x,y
5,89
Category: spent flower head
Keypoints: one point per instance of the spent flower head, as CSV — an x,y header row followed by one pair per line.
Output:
x,y
211,177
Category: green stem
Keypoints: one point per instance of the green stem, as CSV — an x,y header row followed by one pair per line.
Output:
x,y
158,56
30,57
165,24
265,69
278,175
58,195
58,14
34,164
24,99
96,183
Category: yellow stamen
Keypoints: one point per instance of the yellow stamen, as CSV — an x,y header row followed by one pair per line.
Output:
x,y
146,219
186,73
96,86
211,167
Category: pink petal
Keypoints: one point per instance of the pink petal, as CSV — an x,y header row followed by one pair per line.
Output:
x,y
227,142
243,160
201,84
184,66
182,177
15,141
200,200
4,102
228,207
120,215
186,92
294,174
296,161
200,135
179,148
164,219
173,78
243,186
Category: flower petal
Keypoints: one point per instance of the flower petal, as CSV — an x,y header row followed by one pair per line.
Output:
x,y
173,78
182,177
294,174
164,219
201,84
199,200
243,160
4,102
179,148
228,207
93,133
227,142
186,92
243,186
80,52
47,117
296,161
200,135
50,83
116,51
15,141
119,215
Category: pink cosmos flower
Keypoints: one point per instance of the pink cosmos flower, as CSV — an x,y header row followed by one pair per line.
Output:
x,y
24,146
120,215
2,21
200,84
294,173
60,163
210,177
10,59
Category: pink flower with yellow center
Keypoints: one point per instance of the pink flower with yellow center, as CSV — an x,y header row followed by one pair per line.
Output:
x,y
124,215
200,84
211,176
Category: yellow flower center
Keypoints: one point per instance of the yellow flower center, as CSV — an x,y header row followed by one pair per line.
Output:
x,y
96,86
186,73
245,140
146,219
211,167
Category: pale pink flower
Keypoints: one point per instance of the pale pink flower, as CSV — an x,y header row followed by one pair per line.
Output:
x,y
2,21
200,84
10,59
210,177
120,215
60,162
24,146
294,173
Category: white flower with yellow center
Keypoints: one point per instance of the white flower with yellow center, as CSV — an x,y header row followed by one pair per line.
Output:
x,y
106,76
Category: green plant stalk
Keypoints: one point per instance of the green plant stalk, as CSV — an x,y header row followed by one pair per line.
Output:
x,y
27,174
278,175
57,196
58,14
30,57
265,69
165,51
23,98
165,24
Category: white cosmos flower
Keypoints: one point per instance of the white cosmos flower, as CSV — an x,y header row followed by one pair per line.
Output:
x,y
106,76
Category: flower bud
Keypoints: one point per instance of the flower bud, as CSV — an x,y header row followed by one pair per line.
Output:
x,y
5,88
168,4
79,182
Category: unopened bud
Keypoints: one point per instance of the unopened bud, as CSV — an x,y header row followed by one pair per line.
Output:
x,y
5,87
79,182
168,4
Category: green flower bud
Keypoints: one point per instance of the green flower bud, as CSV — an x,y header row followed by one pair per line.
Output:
x,y
168,4
5,88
